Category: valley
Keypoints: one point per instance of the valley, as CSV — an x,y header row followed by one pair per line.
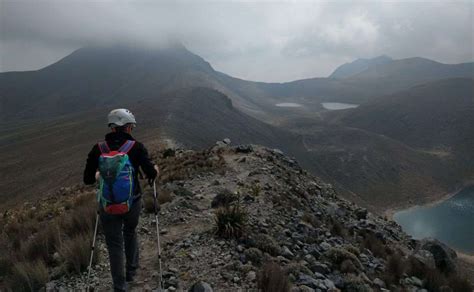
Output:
x,y
385,153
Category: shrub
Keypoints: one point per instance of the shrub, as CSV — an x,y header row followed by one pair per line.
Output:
x,y
267,244
311,219
255,189
148,203
254,255
296,269
231,221
352,249
223,199
164,196
355,283
416,268
375,245
394,269
338,255
347,267
76,253
337,229
84,199
169,153
5,265
459,284
433,280
29,276
272,278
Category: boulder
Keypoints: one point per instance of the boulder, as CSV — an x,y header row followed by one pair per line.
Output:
x,y
444,257
169,152
201,286
286,252
425,258
244,149
361,213
251,276
307,280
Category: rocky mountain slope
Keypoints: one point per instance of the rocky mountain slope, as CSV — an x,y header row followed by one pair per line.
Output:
x,y
280,229
410,147
433,115
434,118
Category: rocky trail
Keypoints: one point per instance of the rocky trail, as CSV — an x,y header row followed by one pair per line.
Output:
x,y
315,240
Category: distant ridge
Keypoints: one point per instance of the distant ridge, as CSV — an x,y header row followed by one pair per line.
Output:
x,y
417,68
93,77
359,65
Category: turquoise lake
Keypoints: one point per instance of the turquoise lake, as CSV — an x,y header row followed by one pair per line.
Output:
x,y
450,221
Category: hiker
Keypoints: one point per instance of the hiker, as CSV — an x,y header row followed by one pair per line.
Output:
x,y
120,193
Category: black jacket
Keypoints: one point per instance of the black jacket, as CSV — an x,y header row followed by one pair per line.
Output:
x,y
138,156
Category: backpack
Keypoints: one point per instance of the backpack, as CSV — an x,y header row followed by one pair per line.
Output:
x,y
116,183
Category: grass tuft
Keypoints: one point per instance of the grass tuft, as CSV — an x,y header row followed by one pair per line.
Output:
x,y
231,221
80,220
29,276
394,269
44,244
76,253
272,278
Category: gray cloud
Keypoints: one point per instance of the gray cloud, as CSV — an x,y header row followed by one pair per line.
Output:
x,y
267,41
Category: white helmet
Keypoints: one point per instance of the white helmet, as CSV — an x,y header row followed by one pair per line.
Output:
x,y
120,117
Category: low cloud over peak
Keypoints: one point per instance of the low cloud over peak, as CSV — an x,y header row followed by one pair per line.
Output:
x,y
263,41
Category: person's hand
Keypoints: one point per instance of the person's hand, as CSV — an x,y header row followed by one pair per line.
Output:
x,y
150,181
97,175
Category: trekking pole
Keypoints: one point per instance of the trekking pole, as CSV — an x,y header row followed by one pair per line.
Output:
x,y
92,251
157,233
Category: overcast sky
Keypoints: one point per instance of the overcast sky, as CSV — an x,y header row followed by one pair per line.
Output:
x,y
255,40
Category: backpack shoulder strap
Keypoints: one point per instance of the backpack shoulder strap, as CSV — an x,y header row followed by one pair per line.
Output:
x,y
104,148
126,146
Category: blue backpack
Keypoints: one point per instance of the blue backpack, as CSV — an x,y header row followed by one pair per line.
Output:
x,y
116,183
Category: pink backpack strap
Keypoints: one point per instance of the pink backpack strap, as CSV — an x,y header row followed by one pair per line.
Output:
x,y
126,146
103,147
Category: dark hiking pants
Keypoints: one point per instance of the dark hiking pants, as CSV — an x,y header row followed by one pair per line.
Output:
x,y
120,232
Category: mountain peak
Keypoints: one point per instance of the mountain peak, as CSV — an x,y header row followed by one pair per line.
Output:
x,y
117,56
359,65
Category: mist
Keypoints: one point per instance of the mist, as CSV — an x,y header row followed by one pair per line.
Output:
x,y
262,41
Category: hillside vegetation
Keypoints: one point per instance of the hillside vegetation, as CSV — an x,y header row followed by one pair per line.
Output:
x,y
231,217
